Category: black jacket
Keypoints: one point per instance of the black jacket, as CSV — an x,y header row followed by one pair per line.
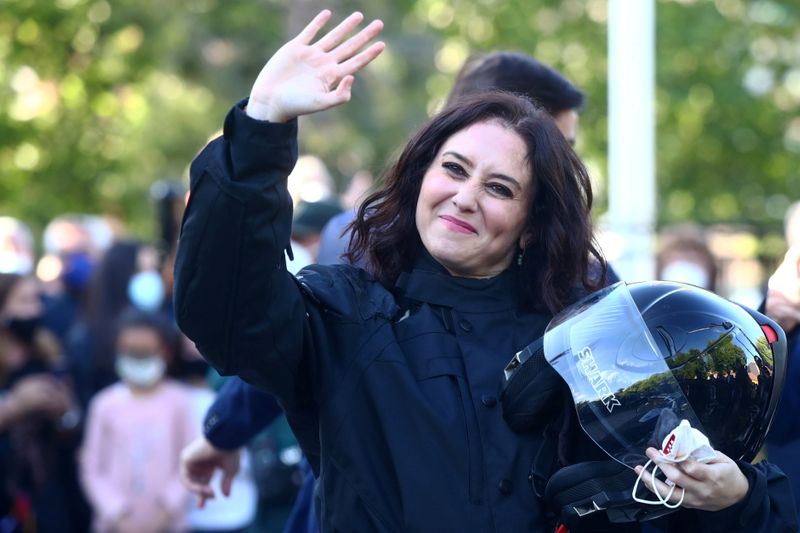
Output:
x,y
392,393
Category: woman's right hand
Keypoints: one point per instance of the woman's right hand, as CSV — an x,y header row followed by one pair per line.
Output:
x,y
303,78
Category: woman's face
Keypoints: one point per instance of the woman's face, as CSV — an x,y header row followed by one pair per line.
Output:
x,y
23,300
474,200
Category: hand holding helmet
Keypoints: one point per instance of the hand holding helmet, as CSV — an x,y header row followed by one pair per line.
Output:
x,y
710,486
639,359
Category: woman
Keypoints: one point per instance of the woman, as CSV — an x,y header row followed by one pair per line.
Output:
x,y
389,377
38,417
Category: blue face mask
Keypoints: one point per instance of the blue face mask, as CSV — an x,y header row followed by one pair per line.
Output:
x,y
78,268
146,291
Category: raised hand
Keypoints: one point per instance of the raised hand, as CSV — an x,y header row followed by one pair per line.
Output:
x,y
783,295
303,78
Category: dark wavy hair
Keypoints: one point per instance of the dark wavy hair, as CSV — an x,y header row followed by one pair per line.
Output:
x,y
556,261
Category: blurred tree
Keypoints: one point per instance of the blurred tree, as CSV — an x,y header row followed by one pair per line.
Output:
x,y
729,110
98,99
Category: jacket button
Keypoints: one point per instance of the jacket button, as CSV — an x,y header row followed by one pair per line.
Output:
x,y
488,401
466,326
505,486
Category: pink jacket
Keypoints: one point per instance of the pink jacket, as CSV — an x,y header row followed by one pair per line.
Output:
x,y
129,458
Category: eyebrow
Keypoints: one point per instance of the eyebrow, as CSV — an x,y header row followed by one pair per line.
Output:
x,y
496,175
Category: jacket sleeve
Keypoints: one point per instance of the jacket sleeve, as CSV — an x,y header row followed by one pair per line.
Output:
x,y
238,414
768,506
233,295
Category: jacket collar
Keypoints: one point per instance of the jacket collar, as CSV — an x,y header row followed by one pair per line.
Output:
x,y
429,282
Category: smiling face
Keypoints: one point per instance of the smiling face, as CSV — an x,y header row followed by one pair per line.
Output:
x,y
474,200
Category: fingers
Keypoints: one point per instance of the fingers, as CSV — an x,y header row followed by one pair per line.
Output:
x,y
227,483
335,36
340,95
197,484
316,24
782,310
354,64
679,473
357,41
669,493
201,488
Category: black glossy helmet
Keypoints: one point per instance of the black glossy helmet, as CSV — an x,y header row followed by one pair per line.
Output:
x,y
638,358
729,361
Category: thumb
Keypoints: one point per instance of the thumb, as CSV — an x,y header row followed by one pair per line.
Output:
x,y
339,96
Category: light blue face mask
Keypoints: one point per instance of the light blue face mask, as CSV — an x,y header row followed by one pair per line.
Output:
x,y
146,291
142,372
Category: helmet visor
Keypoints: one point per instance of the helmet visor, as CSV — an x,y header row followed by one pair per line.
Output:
x,y
625,394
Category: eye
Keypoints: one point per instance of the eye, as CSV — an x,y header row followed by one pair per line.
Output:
x,y
498,189
454,169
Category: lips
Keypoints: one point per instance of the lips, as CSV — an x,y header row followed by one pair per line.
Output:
x,y
458,225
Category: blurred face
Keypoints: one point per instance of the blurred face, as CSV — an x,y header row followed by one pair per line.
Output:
x,y
474,200
140,358
23,300
567,122
140,343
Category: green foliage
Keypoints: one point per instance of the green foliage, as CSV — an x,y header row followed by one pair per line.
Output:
x,y
98,99
728,97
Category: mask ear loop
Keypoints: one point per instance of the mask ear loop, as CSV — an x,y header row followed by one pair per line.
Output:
x,y
661,500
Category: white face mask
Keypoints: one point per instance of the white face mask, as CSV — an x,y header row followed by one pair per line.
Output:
x,y
142,372
146,291
686,272
680,444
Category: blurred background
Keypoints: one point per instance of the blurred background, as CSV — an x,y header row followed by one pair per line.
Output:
x,y
101,99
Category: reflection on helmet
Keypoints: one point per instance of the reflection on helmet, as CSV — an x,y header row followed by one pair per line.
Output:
x,y
720,356
637,358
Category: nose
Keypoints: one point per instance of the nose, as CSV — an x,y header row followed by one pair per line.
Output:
x,y
465,198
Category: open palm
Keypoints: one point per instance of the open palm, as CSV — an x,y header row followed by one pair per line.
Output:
x,y
302,78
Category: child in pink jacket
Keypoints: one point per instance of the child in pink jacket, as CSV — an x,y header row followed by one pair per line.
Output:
x,y
135,431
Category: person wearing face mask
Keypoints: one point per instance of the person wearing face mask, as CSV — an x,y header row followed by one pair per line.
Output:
x,y
126,276
38,417
684,256
135,430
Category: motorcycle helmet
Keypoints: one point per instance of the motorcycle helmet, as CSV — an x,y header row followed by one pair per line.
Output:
x,y
638,357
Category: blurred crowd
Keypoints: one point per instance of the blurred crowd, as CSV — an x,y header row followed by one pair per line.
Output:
x,y
99,391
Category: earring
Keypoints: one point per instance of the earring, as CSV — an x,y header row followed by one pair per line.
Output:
x,y
519,257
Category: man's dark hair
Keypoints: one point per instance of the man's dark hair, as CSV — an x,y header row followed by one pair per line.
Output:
x,y
521,74
560,240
